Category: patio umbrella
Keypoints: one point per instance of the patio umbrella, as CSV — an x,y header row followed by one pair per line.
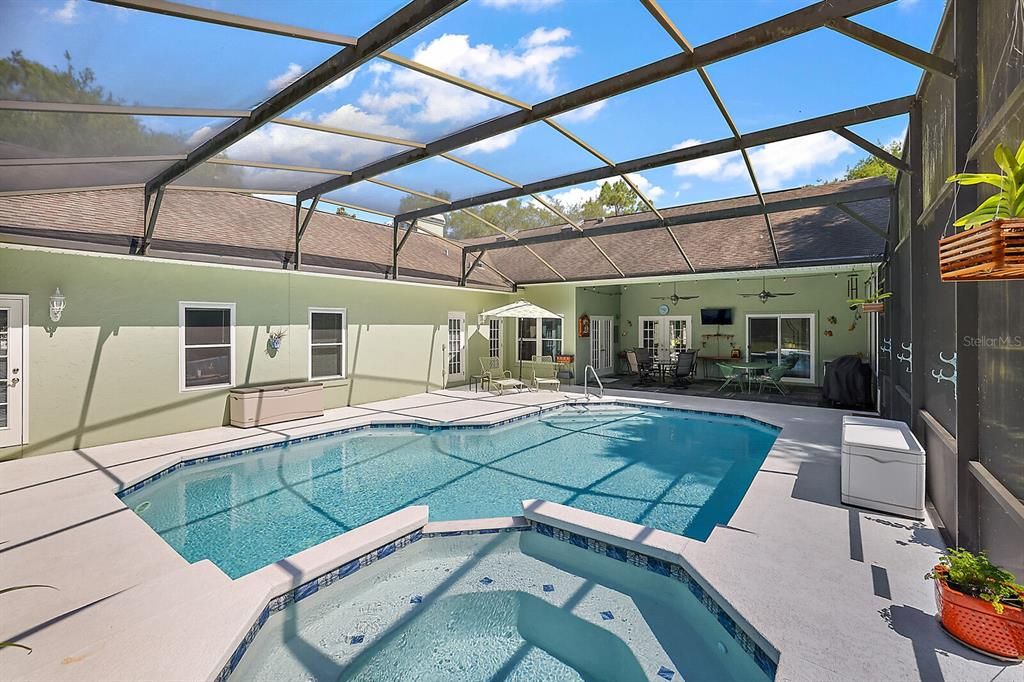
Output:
x,y
518,310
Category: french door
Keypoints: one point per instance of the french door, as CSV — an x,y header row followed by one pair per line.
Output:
x,y
456,346
665,335
786,339
601,343
13,371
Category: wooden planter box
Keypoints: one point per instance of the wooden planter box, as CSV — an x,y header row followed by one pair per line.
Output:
x,y
876,307
991,252
975,622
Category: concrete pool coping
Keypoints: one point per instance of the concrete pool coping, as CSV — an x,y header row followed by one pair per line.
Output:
x,y
804,570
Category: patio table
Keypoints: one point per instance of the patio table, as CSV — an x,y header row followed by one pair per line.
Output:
x,y
749,366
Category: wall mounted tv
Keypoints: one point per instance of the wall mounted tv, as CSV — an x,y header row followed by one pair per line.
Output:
x,y
716,315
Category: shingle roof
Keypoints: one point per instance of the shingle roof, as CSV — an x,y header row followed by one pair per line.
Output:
x,y
812,234
225,224
215,225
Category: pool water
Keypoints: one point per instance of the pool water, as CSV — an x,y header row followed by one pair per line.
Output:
x,y
676,471
512,606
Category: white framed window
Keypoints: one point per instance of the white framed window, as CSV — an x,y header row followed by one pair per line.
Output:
x,y
206,345
784,338
495,329
327,334
539,336
456,346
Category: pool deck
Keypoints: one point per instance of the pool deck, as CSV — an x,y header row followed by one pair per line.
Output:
x,y
838,590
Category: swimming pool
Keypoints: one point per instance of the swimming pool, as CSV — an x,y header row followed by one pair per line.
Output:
x,y
507,606
678,471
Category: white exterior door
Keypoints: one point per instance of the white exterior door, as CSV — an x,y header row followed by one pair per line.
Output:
x,y
601,341
456,346
665,335
13,371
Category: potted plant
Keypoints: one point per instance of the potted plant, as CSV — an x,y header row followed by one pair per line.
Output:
x,y
991,246
275,339
870,304
980,604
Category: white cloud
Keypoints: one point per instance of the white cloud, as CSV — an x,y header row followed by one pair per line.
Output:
x,y
285,79
652,191
299,146
544,36
492,144
418,98
199,136
578,195
779,162
584,113
341,83
528,5
907,5
774,164
65,14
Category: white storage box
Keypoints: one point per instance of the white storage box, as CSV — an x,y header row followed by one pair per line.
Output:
x,y
882,466
261,405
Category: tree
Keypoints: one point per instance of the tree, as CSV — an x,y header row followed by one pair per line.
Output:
x,y
614,198
342,211
42,134
872,166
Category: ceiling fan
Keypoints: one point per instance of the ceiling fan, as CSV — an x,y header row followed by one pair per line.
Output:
x,y
675,298
764,294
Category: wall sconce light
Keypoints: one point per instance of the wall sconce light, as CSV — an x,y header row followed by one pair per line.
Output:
x,y
57,304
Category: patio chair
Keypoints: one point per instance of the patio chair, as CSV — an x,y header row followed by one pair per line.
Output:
x,y
545,374
686,368
491,370
773,378
638,367
731,375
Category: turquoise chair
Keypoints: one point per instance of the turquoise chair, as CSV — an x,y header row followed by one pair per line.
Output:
x,y
731,374
773,377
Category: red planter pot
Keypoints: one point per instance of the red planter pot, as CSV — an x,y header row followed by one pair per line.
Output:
x,y
975,622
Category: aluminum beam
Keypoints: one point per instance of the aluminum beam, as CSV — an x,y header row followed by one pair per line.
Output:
x,y
870,112
87,160
514,240
884,234
221,161
151,210
752,209
773,31
124,110
666,23
873,149
395,28
308,125
889,45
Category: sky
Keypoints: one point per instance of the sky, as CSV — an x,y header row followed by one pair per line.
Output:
x,y
527,49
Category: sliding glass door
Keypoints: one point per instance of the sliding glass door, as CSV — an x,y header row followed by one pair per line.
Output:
x,y
784,339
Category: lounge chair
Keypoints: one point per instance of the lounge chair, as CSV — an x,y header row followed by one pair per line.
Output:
x,y
686,368
545,374
497,379
642,370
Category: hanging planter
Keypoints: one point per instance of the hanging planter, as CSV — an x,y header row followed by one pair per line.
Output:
x,y
991,246
871,304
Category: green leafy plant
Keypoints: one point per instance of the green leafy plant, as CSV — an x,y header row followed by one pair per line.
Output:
x,y
4,645
975,575
880,296
1008,202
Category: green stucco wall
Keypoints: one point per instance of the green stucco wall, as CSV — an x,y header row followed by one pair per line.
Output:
x,y
108,371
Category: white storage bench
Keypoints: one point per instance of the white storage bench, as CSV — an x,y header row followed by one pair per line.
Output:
x,y
882,466
261,405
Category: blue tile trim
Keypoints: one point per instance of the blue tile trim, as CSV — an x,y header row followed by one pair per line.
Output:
x,y
423,428
311,587
483,531
735,630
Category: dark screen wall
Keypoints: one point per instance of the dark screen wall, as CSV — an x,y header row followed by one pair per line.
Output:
x,y
973,432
